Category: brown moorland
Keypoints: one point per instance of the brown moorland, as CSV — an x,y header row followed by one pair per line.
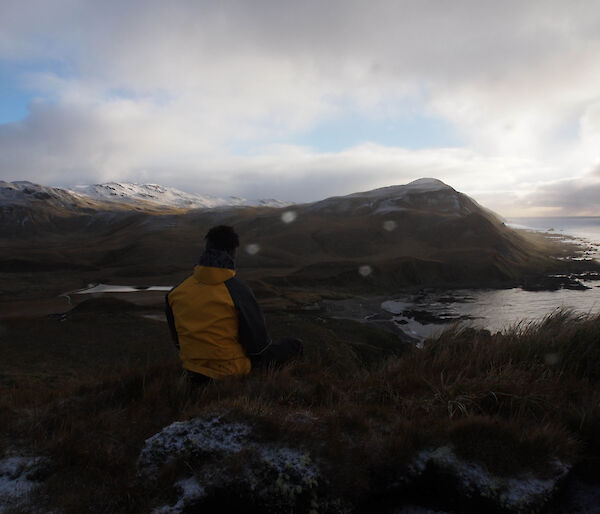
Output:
x,y
87,391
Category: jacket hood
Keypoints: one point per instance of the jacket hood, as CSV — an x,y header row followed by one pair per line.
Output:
x,y
212,276
216,259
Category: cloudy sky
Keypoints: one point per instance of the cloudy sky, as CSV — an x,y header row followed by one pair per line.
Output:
x,y
300,100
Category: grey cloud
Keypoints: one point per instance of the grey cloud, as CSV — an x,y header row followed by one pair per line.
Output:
x,y
50,142
392,37
577,197
301,175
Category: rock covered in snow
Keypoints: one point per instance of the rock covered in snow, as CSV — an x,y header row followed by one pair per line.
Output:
x,y
519,494
213,459
221,458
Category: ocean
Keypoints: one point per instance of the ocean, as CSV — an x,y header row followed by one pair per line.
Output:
x,y
498,310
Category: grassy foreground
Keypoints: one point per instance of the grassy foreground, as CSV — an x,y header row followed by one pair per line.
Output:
x,y
358,399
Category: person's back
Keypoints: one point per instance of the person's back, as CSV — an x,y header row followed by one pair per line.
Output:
x,y
207,324
215,320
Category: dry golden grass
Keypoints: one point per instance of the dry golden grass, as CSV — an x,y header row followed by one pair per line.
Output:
x,y
511,402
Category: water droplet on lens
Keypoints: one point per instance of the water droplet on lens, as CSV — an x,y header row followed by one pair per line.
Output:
x,y
365,270
389,225
551,359
252,249
289,216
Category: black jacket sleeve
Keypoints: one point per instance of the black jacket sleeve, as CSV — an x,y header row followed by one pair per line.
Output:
x,y
252,331
171,320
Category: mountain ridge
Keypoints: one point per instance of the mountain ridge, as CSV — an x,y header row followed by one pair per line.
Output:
x,y
153,197
125,194
423,233
163,195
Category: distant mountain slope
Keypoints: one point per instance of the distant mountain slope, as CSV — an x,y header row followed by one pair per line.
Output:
x,y
26,207
425,194
161,195
424,233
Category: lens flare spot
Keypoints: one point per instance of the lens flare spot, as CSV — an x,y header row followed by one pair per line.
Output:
x,y
389,225
252,249
551,359
365,270
289,216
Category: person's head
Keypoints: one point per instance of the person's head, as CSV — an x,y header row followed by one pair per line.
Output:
x,y
222,237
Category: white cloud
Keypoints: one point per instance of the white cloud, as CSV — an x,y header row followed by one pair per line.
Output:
x,y
163,91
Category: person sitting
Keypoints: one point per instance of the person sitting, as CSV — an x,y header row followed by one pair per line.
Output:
x,y
216,322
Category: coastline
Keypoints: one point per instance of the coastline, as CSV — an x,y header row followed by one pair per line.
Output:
x,y
421,312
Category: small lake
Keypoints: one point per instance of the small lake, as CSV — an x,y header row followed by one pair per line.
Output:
x,y
112,288
96,289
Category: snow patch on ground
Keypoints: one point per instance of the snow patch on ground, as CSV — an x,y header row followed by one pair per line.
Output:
x,y
516,494
210,435
210,446
189,491
16,480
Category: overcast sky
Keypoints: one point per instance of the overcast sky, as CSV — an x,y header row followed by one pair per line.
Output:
x,y
299,100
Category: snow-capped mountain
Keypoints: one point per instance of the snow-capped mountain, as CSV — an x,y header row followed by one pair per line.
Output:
x,y
24,204
424,232
23,191
161,195
423,194
24,195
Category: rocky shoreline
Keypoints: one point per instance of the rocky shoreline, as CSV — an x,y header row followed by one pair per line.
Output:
x,y
441,306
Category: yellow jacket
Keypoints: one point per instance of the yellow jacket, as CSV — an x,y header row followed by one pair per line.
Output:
x,y
215,322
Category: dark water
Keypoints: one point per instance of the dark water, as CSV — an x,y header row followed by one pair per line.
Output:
x,y
497,310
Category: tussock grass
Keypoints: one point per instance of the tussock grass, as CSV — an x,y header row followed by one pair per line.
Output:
x,y
512,402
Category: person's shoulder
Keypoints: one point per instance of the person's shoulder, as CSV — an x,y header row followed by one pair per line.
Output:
x,y
237,286
237,282
181,285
